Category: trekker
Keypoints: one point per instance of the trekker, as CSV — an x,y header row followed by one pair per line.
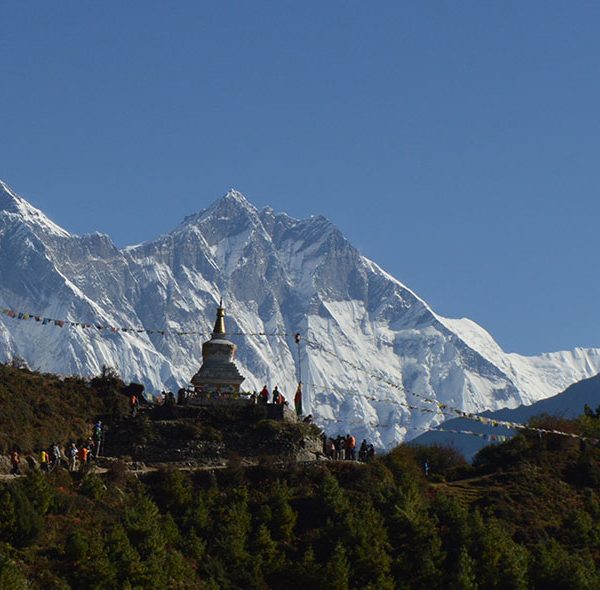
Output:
x,y
264,395
91,445
362,452
350,446
330,451
72,456
82,455
276,395
55,455
134,404
44,461
181,396
426,467
15,461
97,436
370,453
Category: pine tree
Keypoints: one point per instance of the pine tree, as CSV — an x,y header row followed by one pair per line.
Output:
x,y
8,517
416,543
283,518
90,565
337,570
501,562
38,490
143,526
369,548
555,567
465,572
126,559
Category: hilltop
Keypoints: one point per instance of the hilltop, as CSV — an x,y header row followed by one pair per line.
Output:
x,y
40,409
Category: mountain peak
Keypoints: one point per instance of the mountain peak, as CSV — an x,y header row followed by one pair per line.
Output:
x,y
16,205
231,205
236,195
9,201
234,198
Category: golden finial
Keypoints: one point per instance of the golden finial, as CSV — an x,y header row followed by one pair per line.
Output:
x,y
220,323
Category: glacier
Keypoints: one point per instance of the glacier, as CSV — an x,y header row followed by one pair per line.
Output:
x,y
369,343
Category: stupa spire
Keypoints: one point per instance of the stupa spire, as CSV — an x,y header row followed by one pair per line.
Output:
x,y
220,322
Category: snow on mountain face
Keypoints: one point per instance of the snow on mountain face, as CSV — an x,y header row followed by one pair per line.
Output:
x,y
368,341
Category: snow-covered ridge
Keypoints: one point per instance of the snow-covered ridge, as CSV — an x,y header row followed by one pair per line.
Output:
x,y
13,204
379,342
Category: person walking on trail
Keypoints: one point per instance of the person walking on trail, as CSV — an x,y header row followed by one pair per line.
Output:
x,y
426,467
82,455
264,395
72,456
97,433
44,461
134,404
15,461
91,445
55,455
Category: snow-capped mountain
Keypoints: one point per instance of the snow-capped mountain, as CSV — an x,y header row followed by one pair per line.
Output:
x,y
368,341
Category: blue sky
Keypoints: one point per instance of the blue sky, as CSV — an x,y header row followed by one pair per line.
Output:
x,y
455,143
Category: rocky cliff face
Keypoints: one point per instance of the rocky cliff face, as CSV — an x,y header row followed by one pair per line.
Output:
x,y
368,340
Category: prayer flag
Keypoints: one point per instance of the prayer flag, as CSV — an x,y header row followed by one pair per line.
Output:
x,y
298,400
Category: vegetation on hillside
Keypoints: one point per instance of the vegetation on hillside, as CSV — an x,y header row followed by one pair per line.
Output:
x,y
525,515
39,409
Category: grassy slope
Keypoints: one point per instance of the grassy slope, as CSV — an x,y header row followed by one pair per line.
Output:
x,y
38,409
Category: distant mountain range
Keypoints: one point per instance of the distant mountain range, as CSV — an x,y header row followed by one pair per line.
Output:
x,y
568,404
362,329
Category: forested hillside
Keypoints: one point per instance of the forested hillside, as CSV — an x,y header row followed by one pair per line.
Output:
x,y
525,515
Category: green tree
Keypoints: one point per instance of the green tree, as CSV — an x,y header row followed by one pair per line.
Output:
x,y
143,526
92,486
124,557
8,517
38,490
337,570
453,525
90,566
369,548
464,578
555,567
27,521
283,517
11,578
173,491
416,544
229,541
502,563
